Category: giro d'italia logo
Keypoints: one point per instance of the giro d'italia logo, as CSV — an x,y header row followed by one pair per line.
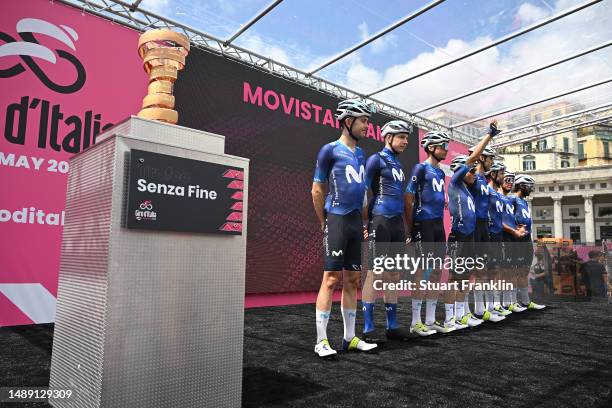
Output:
x,y
145,211
30,50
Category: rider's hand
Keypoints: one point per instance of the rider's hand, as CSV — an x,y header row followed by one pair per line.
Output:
x,y
493,130
520,232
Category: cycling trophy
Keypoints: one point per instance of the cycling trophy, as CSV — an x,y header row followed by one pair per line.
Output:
x,y
151,287
163,54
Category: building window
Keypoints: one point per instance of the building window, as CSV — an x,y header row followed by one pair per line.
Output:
x,y
572,187
541,189
604,211
542,213
561,188
566,144
526,147
557,112
565,164
575,233
581,186
606,146
529,163
574,212
592,186
551,188
544,232
603,185
581,151
605,231
538,117
542,144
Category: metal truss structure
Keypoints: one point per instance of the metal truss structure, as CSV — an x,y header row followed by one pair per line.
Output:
x,y
121,12
129,14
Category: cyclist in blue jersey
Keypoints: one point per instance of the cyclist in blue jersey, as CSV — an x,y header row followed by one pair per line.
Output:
x,y
511,232
523,186
423,212
495,176
480,191
385,177
341,165
461,239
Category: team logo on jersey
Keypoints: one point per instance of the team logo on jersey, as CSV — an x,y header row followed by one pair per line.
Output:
x,y
484,189
509,209
438,185
526,213
351,173
337,253
471,205
398,174
499,206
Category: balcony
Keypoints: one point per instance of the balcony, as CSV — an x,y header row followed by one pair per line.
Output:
x,y
535,150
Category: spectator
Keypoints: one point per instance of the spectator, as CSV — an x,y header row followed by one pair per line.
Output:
x,y
537,278
594,276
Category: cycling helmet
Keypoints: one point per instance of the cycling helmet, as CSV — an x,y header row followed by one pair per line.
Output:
x,y
496,166
352,107
487,151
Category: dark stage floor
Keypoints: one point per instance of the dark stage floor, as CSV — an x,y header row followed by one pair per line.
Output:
x,y
560,357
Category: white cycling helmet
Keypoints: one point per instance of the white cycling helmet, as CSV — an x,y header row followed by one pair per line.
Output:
x,y
434,138
458,161
352,107
496,166
396,126
524,179
487,151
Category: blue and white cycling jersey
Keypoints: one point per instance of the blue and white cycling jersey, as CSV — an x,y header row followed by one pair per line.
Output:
x,y
345,172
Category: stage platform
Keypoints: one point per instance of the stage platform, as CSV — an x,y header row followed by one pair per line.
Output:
x,y
559,357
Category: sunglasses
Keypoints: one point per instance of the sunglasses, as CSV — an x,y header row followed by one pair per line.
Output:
x,y
443,146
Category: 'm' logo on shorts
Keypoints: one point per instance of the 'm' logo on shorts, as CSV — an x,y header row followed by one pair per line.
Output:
x,y
337,253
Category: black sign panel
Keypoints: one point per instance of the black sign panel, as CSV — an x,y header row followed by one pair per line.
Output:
x,y
175,194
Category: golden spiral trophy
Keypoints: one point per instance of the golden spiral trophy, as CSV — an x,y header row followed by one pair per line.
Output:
x,y
163,54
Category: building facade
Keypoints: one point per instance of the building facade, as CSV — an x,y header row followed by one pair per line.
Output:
x,y
594,145
556,151
574,203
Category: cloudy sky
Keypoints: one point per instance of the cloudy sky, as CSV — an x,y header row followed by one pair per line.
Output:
x,y
304,34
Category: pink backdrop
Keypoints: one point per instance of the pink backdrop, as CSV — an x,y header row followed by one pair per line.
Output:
x,y
33,174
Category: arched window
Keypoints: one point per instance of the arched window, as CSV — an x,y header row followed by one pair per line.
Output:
x,y
529,163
